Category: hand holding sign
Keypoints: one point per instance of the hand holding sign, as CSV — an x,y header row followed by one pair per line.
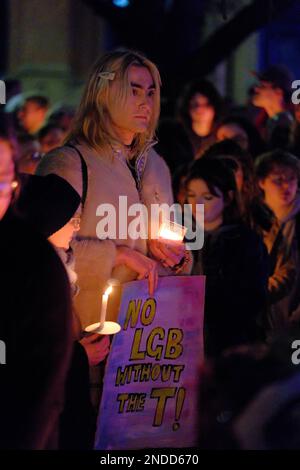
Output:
x,y
145,267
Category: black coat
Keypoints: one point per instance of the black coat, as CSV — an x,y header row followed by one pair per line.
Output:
x,y
235,263
36,326
78,420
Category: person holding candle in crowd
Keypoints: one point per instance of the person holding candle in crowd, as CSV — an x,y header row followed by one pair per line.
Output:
x,y
35,325
52,207
109,154
233,259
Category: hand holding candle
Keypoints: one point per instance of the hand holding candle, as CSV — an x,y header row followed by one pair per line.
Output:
x,y
104,327
171,232
169,248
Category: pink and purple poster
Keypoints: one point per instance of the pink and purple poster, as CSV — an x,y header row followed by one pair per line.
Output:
x,y
151,381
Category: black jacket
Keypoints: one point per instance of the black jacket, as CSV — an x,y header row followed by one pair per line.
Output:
x,y
235,263
36,326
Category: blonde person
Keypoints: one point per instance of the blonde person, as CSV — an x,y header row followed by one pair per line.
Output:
x,y
109,153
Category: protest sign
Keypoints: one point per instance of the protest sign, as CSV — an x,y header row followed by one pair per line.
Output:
x,y
150,390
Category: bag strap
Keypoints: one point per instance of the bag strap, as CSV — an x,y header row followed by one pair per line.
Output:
x,y
84,172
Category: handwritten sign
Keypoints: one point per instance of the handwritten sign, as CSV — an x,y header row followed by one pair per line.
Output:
x,y
151,382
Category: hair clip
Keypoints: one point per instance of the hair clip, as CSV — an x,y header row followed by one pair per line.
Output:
x,y
107,75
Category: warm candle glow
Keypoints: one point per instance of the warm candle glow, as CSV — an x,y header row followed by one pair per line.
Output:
x,y
171,231
104,305
108,291
105,327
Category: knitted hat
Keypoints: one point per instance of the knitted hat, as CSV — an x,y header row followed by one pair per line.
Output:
x,y
47,203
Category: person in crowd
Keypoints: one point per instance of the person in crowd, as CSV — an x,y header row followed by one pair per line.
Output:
x,y
175,148
278,174
110,154
199,109
254,213
234,302
173,145
51,206
32,115
62,117
50,137
35,326
273,95
243,132
29,153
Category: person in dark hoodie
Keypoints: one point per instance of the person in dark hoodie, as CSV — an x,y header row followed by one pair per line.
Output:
x,y
278,174
233,259
52,207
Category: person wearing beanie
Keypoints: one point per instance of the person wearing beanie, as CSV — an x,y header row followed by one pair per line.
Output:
x,y
35,327
52,206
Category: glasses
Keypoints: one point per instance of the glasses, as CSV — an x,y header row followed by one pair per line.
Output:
x,y
75,221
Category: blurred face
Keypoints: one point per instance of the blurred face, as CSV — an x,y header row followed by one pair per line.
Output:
x,y
200,109
134,116
7,174
53,139
198,193
63,237
280,187
29,157
31,116
234,132
265,94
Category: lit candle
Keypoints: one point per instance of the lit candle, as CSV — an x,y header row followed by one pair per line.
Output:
x,y
104,305
171,231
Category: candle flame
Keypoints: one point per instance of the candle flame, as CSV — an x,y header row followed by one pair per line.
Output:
x,y
108,291
171,232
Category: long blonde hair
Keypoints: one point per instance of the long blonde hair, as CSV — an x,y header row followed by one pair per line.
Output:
x,y
92,123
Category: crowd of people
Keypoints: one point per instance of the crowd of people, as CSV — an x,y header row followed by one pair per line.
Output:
x,y
56,167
